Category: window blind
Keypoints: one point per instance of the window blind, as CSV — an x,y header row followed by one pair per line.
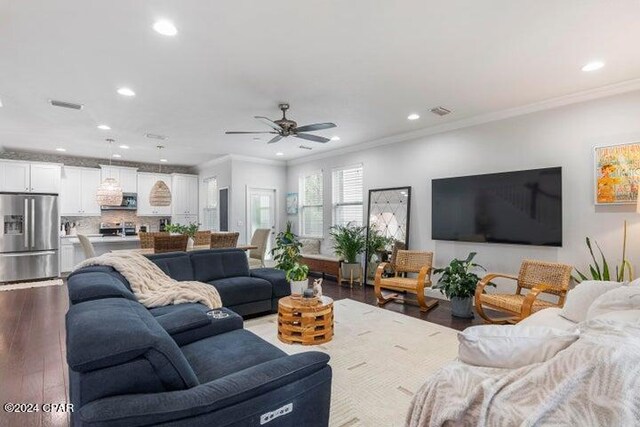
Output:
x,y
210,212
311,216
348,195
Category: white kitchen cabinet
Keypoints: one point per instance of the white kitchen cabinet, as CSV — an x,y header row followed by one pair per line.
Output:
x,y
78,194
67,255
14,177
145,183
184,219
185,201
126,177
45,178
25,177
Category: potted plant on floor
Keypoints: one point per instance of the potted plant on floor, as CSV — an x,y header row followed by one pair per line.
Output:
x,y
377,245
349,241
286,254
458,283
297,277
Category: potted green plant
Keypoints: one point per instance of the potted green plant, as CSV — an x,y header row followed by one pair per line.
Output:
x,y
377,244
286,251
458,283
297,276
189,230
349,241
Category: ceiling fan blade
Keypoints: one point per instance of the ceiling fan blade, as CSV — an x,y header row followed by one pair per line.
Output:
x,y
314,138
275,139
315,126
242,133
273,125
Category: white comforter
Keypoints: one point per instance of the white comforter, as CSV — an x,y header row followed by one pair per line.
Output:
x,y
594,382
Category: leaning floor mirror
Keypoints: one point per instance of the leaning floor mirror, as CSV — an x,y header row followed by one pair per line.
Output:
x,y
387,226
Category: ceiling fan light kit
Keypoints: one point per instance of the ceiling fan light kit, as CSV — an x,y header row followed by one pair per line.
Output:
x,y
283,128
110,192
160,194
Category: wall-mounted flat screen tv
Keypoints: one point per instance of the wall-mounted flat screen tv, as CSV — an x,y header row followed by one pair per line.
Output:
x,y
523,207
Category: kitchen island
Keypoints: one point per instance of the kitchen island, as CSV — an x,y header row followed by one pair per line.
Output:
x,y
71,253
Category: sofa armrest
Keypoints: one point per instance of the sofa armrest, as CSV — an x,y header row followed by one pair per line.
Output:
x,y
192,324
233,389
93,285
277,278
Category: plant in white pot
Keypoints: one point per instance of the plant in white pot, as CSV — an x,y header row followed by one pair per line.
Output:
x,y
349,241
298,278
190,230
458,283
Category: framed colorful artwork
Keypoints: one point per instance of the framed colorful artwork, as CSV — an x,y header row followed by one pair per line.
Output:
x,y
292,203
617,173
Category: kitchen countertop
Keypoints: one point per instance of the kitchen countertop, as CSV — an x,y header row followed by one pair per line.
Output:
x,y
99,238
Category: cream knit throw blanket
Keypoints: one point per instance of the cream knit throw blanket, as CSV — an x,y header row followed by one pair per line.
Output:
x,y
151,286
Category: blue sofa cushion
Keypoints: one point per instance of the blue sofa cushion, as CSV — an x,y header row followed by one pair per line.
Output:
x,y
191,323
240,290
277,278
104,269
221,355
175,265
96,285
110,332
215,264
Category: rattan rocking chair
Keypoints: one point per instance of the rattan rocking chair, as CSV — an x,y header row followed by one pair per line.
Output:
x,y
537,277
407,262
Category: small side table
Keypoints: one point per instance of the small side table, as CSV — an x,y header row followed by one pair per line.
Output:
x,y
302,323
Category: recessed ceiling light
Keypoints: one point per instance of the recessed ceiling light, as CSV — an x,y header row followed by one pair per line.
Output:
x,y
279,153
117,156
164,27
164,160
593,66
124,147
61,149
335,138
104,127
413,116
125,91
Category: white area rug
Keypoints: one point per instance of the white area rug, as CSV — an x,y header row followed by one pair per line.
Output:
x,y
26,285
379,359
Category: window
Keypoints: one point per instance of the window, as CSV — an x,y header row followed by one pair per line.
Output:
x,y
210,211
311,221
347,195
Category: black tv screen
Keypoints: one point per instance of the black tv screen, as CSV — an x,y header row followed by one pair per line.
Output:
x,y
523,207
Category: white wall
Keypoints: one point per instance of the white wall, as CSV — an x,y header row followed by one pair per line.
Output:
x,y
240,174
560,137
248,174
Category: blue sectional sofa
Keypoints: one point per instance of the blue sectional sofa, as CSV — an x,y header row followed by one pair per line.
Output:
x,y
178,365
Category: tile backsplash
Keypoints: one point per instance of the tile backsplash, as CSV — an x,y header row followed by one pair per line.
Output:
x,y
91,224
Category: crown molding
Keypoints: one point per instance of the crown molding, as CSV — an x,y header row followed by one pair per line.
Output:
x,y
258,160
548,104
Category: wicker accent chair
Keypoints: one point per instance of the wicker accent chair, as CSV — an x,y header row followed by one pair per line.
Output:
x,y
260,239
535,276
162,244
407,262
146,239
391,265
202,238
224,240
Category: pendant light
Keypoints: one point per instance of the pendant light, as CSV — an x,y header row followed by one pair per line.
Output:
x,y
160,194
110,192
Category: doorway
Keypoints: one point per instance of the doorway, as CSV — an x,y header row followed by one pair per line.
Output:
x,y
261,213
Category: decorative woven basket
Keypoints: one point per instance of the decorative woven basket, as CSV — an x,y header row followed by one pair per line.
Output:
x,y
160,194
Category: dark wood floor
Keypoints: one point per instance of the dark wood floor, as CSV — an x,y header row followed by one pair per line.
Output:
x,y
33,365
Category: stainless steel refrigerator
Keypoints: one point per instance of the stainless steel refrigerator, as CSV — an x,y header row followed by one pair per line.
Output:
x,y
28,236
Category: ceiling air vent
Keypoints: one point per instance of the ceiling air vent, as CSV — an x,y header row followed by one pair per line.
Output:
x,y
155,136
304,147
440,111
64,104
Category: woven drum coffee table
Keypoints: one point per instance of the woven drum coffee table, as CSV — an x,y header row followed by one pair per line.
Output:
x,y
306,321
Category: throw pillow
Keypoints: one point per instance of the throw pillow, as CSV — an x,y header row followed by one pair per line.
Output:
x,y
620,299
580,298
511,346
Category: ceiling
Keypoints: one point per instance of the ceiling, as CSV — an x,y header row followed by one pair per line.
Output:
x,y
363,64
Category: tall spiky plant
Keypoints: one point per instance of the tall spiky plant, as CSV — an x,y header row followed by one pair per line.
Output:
x,y
601,270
